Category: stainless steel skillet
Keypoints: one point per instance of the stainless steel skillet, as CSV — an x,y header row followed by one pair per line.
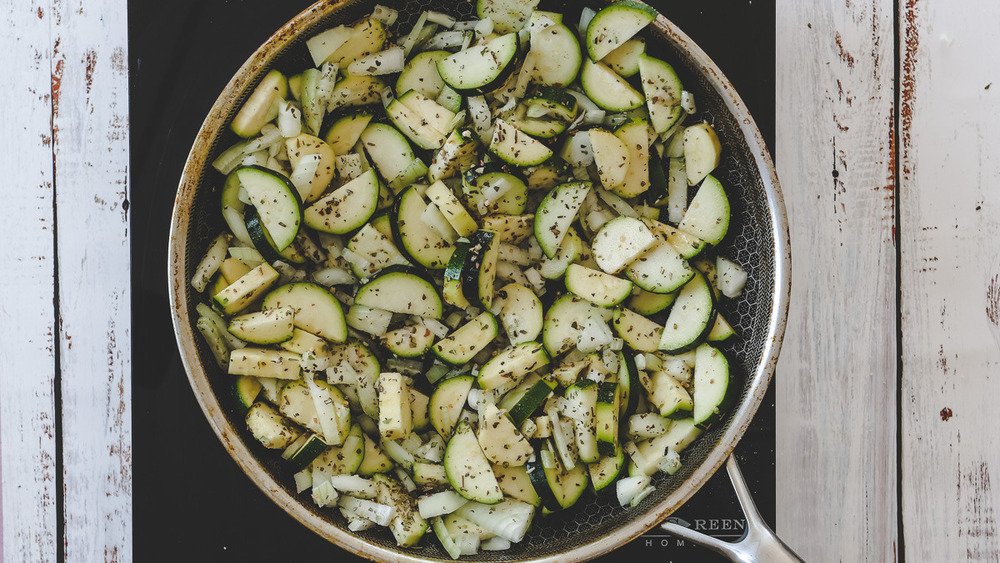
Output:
x,y
758,240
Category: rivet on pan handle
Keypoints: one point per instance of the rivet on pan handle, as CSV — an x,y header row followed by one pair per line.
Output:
x,y
758,545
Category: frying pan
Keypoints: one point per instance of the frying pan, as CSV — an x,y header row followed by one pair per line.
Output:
x,y
757,240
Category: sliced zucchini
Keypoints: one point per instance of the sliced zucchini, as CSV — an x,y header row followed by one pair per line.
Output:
x,y
270,427
565,321
265,362
244,291
556,213
649,303
480,270
276,201
418,240
608,90
624,59
311,185
702,152
464,343
635,135
557,56
533,397
662,88
316,309
596,286
502,443
453,290
409,341
490,191
264,327
507,15
607,411
400,289
246,389
712,390
481,68
660,269
346,131
516,147
620,242
420,74
615,24
447,402
346,208
468,469
707,217
394,412
611,156
521,313
375,460
605,471
510,365
669,396
441,195
515,484
260,107
691,317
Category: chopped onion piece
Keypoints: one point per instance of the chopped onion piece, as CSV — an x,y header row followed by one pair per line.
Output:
x,y
468,25
441,19
385,14
304,172
388,61
326,410
387,96
349,166
411,39
324,494
327,81
342,374
687,102
437,327
405,479
210,263
621,206
289,120
433,218
628,487
535,279
303,480
732,277
356,522
496,543
333,276
484,27
585,16
445,40
381,514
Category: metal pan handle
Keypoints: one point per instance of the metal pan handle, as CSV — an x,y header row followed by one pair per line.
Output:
x,y
758,545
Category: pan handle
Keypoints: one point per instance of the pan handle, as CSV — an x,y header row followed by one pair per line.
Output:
x,y
758,545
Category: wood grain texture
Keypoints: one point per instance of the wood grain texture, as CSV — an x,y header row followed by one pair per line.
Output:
x,y
90,155
28,329
950,279
837,376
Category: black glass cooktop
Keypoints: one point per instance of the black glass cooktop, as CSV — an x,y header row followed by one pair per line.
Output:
x,y
191,501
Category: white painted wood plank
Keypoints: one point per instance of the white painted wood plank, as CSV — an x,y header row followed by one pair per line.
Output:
x,y
91,179
837,375
28,494
950,279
